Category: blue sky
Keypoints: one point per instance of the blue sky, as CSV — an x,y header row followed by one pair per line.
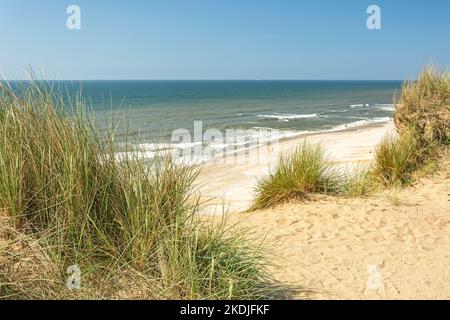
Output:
x,y
223,39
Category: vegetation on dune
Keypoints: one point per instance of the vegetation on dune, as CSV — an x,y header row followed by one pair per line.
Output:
x,y
422,120
396,158
298,174
424,106
359,182
307,171
131,227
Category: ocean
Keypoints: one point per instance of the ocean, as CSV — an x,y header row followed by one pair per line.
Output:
x,y
149,111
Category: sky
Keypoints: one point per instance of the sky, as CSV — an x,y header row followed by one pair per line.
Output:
x,y
223,39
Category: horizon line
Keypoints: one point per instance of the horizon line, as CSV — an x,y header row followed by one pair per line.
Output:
x,y
254,80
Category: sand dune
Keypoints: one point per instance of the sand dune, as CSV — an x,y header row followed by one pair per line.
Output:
x,y
399,241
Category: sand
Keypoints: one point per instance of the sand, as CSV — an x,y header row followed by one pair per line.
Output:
x,y
332,246
393,245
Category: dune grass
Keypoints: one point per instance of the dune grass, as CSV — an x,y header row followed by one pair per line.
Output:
x,y
131,226
298,174
424,107
359,182
422,120
307,171
396,158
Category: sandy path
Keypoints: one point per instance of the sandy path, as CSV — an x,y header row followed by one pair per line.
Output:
x,y
334,246
231,184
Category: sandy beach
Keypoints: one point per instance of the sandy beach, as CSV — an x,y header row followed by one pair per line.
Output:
x,y
335,247
230,185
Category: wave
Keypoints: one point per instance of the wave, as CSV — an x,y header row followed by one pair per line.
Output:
x,y
269,134
358,124
385,107
337,111
164,146
248,139
380,106
284,117
242,140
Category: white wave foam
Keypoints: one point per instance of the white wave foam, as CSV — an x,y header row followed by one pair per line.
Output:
x,y
164,146
288,117
338,111
359,105
249,140
386,107
358,123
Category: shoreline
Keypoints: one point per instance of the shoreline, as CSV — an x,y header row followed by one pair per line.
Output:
x,y
337,131
227,185
148,150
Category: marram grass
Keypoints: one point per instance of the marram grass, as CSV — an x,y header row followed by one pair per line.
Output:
x,y
424,106
130,226
422,120
298,174
397,158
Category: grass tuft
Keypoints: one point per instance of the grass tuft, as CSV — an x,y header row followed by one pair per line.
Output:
x,y
396,158
298,174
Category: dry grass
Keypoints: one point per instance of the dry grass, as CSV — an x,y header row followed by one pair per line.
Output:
x,y
422,120
25,266
424,106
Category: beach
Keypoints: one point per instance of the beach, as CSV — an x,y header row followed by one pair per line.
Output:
x,y
313,232
229,186
335,247
225,151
